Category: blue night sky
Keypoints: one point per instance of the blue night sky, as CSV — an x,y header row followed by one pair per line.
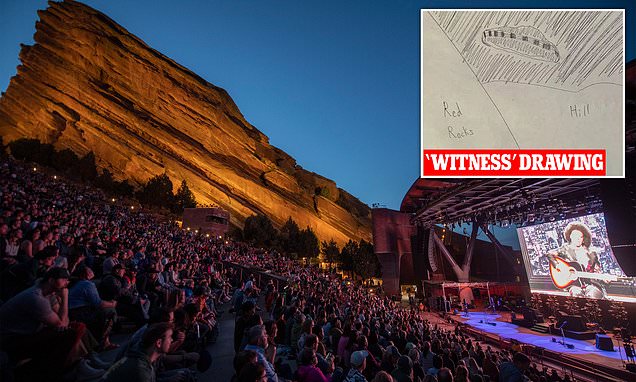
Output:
x,y
335,84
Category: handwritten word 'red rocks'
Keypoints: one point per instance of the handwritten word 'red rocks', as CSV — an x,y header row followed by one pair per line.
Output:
x,y
454,113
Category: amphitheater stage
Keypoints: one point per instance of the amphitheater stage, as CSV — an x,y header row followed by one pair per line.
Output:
x,y
583,355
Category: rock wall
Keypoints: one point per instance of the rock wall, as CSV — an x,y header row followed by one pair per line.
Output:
x,y
87,84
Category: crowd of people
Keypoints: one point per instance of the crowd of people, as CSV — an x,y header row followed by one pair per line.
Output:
x,y
320,328
75,264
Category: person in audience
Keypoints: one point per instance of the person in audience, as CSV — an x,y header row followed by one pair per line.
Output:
x,y
32,328
257,340
137,365
85,305
445,375
22,275
514,371
461,374
241,359
404,370
438,363
110,262
358,363
253,372
308,370
247,318
270,349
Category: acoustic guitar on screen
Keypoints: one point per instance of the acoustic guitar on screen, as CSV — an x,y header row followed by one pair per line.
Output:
x,y
565,273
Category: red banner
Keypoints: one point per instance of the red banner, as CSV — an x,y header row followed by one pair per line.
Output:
x,y
517,163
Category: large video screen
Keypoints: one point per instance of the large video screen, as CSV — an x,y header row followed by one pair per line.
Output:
x,y
573,257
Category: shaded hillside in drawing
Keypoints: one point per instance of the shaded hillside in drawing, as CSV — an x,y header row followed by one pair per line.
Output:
x,y
561,49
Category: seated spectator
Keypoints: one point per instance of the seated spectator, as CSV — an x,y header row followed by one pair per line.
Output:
x,y
137,364
383,376
270,349
252,373
427,355
490,367
110,262
86,305
513,371
241,359
21,276
31,328
444,375
390,358
325,364
308,370
404,370
418,371
247,318
438,363
358,362
461,374
110,288
257,340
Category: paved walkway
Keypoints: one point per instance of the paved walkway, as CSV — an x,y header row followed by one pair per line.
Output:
x,y
222,351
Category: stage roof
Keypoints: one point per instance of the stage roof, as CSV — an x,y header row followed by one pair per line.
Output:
x,y
512,200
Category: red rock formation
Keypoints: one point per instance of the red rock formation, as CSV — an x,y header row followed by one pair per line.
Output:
x,y
89,85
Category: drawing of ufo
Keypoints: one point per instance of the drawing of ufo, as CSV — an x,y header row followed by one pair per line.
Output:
x,y
524,40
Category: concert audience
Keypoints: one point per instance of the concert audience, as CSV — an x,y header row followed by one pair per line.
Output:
x,y
170,284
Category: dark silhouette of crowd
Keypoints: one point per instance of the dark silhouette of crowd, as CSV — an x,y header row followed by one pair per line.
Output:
x,y
76,267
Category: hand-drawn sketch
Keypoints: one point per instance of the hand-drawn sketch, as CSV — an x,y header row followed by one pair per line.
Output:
x,y
524,79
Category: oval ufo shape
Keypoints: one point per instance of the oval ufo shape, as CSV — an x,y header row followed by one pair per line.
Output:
x,y
524,40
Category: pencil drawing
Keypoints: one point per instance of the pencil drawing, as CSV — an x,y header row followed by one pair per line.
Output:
x,y
524,40
519,79
591,41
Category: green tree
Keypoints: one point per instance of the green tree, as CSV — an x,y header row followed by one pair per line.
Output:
x,y
65,160
157,192
124,188
308,244
365,262
86,167
347,254
184,198
44,154
259,231
105,181
24,148
331,251
288,238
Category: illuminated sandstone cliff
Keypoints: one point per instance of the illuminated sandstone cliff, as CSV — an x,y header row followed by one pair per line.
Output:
x,y
89,85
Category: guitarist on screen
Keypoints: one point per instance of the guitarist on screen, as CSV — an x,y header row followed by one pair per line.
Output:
x,y
577,252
